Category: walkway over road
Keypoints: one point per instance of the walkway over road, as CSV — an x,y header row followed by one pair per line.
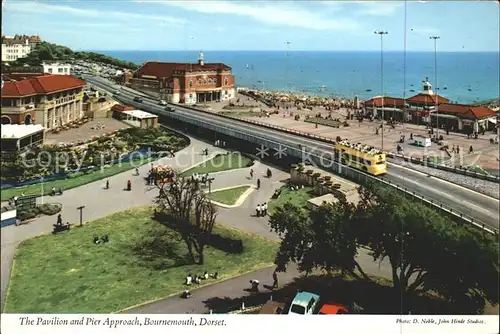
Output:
x,y
478,207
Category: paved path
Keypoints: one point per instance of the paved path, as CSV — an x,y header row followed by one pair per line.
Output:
x,y
100,203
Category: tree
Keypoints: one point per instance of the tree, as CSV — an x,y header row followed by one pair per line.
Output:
x,y
188,210
322,238
426,250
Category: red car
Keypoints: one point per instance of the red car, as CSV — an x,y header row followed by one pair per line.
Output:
x,y
333,309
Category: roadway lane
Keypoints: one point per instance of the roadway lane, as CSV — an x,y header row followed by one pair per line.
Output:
x,y
482,208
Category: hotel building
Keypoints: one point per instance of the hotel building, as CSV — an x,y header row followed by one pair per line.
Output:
x,y
48,100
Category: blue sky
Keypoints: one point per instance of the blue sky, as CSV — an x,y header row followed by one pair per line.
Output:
x,y
256,25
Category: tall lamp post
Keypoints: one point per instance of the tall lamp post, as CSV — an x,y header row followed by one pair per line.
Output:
x,y
287,43
435,38
382,33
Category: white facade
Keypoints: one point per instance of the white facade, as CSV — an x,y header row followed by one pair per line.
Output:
x,y
14,50
56,68
227,94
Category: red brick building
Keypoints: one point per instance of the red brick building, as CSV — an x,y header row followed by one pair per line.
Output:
x,y
185,82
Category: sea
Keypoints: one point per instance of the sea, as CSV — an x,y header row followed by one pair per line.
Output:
x,y
462,77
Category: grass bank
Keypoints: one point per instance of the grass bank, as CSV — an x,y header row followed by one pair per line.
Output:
x,y
72,181
143,260
296,197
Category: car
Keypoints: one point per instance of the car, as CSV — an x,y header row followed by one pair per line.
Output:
x,y
170,109
116,92
163,103
272,307
332,308
138,99
304,303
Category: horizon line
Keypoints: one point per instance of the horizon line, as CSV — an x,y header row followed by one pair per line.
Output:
x,y
284,50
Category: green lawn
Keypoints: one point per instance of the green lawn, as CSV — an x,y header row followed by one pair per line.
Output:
x,y
296,197
75,180
220,163
437,159
144,260
228,196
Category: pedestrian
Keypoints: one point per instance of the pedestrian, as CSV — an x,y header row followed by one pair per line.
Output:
x,y
265,209
129,185
251,173
255,285
107,184
136,171
258,183
471,149
59,220
275,279
257,210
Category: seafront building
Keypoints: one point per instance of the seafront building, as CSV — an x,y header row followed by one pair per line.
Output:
x,y
18,46
428,107
48,100
56,68
185,82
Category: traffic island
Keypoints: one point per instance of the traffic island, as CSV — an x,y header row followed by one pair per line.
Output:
x,y
220,163
142,261
230,196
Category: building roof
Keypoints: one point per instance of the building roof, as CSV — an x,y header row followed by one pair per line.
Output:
x,y
119,107
13,41
42,85
139,114
466,111
166,70
388,102
422,98
17,131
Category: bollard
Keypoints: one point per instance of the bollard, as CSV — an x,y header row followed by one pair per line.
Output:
x,y
243,306
210,311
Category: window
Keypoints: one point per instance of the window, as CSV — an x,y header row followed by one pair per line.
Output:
x,y
310,304
205,81
215,81
59,70
190,96
298,309
225,82
50,70
190,83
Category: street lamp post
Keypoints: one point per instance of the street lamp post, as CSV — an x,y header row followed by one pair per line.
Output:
x,y
435,38
382,33
263,84
287,43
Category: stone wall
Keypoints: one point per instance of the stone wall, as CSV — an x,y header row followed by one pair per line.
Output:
x,y
322,183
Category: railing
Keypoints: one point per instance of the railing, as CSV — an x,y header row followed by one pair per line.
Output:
x,y
332,141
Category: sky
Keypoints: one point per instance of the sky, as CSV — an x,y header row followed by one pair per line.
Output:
x,y
257,25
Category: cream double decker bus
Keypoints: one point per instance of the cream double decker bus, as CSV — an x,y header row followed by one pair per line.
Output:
x,y
360,156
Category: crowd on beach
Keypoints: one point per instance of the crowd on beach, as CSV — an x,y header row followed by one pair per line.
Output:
x,y
275,99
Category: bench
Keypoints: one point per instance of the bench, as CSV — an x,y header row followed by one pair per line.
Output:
x,y
61,228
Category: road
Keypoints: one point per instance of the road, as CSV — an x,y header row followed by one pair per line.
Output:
x,y
481,208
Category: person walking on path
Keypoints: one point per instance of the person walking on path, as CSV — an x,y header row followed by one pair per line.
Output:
x,y
258,183
251,173
107,184
59,220
264,209
275,279
257,210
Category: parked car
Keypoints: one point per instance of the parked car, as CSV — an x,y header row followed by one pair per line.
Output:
x,y
138,99
331,308
169,109
272,307
116,92
304,303
163,103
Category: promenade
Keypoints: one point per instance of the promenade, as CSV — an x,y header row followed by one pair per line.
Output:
x,y
100,202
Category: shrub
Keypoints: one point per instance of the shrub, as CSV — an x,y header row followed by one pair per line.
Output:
x,y
28,214
50,208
